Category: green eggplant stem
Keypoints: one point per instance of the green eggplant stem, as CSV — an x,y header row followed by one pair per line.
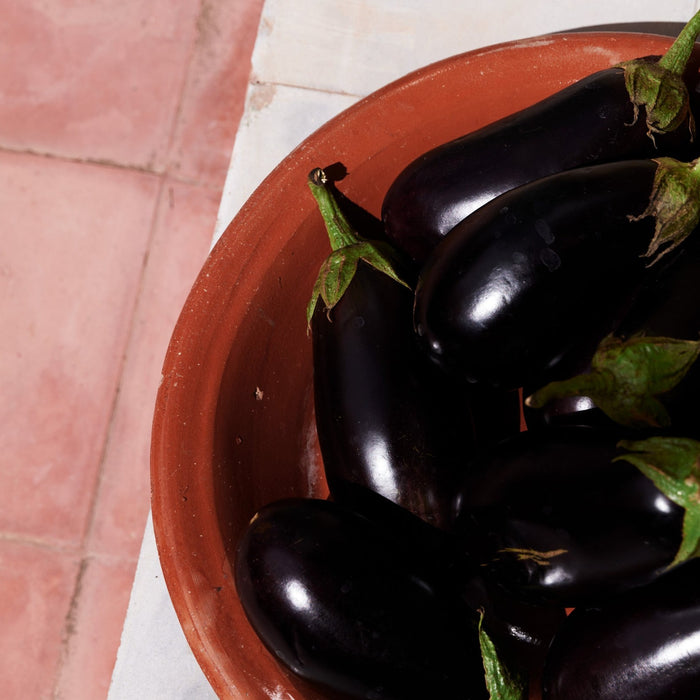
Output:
x,y
678,55
340,233
627,377
348,249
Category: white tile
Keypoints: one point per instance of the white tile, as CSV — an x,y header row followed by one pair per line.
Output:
x,y
276,120
154,660
356,46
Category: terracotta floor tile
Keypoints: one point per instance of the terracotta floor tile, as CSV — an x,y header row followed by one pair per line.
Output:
x,y
180,245
214,95
98,81
95,266
36,586
96,623
74,241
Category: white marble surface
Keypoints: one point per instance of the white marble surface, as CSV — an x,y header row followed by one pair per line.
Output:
x,y
155,661
355,46
312,60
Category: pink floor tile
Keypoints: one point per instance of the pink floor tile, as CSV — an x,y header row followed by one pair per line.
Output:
x,y
74,242
213,96
95,266
98,81
97,619
180,245
36,587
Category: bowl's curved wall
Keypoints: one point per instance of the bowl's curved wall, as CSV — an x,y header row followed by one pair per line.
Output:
x,y
233,423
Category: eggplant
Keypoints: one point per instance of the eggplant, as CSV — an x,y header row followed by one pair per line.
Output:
x,y
350,608
643,644
387,420
667,307
548,267
522,631
598,119
535,272
551,519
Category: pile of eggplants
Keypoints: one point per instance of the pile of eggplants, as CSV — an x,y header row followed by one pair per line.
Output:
x,y
505,390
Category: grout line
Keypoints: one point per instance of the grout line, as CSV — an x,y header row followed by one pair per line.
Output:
x,y
186,74
123,362
58,546
109,164
82,160
82,551
69,621
89,527
254,81
68,627
157,204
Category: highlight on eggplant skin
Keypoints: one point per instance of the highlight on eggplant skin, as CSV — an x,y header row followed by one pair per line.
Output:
x,y
535,272
531,234
387,419
384,417
643,644
667,305
352,609
551,519
591,121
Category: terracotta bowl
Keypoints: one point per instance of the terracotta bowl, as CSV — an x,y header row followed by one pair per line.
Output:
x,y
233,427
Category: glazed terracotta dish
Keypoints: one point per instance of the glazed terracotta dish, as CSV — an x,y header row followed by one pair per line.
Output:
x,y
234,420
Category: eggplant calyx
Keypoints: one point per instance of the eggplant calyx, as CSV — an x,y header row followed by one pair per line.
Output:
x,y
658,86
673,465
626,379
663,95
348,248
674,204
503,681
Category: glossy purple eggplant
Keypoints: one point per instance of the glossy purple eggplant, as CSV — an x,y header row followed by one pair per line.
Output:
x,y
352,609
643,644
594,120
387,420
666,306
521,631
536,272
551,518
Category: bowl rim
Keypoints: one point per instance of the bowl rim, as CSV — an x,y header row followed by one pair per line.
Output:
x,y
235,258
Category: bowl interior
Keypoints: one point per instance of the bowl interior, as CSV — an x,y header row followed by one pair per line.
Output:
x,y
233,426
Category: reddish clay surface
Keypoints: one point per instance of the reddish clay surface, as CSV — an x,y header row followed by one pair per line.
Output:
x,y
233,426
